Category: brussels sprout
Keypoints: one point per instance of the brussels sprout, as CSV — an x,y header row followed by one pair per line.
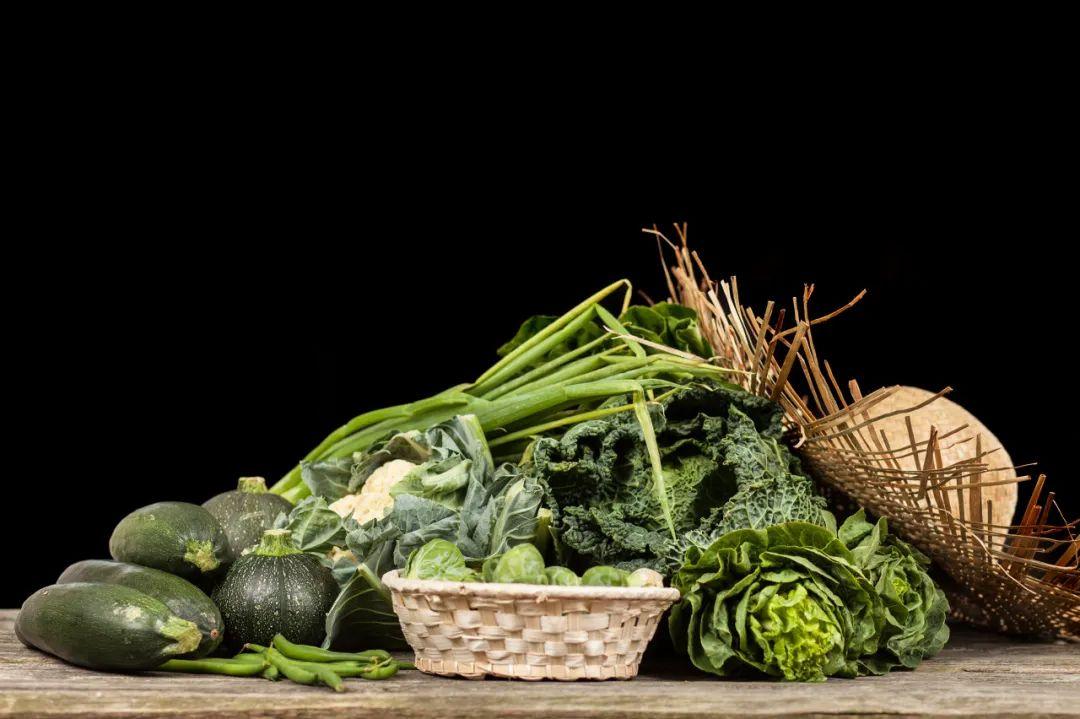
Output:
x,y
439,559
522,564
604,577
645,577
487,570
561,576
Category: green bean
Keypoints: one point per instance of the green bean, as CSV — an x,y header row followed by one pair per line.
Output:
x,y
381,671
254,647
271,672
227,667
406,665
291,670
328,677
250,657
306,653
342,669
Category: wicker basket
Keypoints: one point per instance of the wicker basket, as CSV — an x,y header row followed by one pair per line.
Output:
x,y
524,631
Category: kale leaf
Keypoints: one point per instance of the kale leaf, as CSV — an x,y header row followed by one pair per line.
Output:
x,y
723,469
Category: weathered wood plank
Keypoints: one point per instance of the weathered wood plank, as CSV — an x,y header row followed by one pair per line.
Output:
x,y
976,676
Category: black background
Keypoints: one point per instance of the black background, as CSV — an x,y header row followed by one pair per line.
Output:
x,y
201,295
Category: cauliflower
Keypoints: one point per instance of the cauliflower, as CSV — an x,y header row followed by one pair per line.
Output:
x,y
373,501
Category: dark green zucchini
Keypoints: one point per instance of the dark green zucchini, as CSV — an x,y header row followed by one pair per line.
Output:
x,y
246,512
275,589
104,626
183,598
176,537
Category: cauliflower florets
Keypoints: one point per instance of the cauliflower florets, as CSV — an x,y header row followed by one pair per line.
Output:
x,y
373,501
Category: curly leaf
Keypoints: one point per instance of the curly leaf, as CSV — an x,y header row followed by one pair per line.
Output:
x,y
786,601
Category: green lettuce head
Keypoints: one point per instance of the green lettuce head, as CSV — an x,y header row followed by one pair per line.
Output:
x,y
915,607
787,601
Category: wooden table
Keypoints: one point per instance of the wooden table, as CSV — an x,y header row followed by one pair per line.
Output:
x,y
977,675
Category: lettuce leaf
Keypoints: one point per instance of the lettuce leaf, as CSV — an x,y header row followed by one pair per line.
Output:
x,y
787,601
671,325
915,607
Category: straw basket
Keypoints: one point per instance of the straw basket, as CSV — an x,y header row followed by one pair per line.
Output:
x,y
524,631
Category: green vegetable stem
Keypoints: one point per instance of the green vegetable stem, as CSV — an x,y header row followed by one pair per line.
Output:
x,y
552,364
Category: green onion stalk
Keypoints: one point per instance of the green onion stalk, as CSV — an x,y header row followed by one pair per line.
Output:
x,y
527,392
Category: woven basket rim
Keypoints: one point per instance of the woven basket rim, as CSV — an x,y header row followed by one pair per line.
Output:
x,y
538,592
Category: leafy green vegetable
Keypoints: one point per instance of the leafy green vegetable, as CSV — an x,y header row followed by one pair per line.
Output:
x,y
362,615
787,601
329,478
342,563
487,569
668,324
522,564
572,341
915,607
490,511
314,527
721,465
439,559
552,367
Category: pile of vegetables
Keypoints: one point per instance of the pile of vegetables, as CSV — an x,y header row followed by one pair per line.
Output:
x,y
555,372
601,449
145,610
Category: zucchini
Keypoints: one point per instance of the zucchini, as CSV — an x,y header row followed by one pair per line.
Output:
x,y
183,598
104,626
176,537
246,512
275,589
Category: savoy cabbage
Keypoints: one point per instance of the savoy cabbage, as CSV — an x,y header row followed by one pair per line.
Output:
x,y
724,468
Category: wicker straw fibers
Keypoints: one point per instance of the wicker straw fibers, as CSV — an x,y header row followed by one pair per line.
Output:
x,y
527,632
936,473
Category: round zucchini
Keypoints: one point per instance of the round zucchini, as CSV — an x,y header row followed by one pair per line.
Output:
x,y
176,537
104,626
275,589
183,598
246,512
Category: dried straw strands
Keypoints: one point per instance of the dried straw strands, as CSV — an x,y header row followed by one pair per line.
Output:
x,y
1021,578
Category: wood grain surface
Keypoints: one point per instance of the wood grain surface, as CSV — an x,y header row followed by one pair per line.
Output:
x,y
977,675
